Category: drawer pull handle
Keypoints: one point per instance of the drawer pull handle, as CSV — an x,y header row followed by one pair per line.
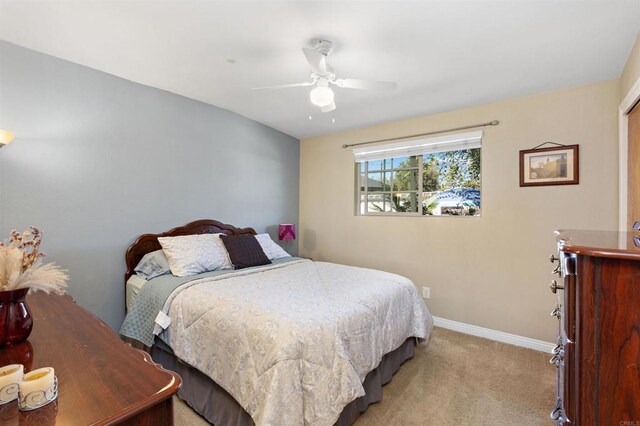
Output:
x,y
557,414
555,287
558,358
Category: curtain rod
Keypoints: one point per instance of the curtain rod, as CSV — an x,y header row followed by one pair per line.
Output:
x,y
490,123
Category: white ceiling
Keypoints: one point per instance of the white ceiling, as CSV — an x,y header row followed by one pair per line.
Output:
x,y
443,54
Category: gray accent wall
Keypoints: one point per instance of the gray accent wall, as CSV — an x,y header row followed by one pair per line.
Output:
x,y
99,160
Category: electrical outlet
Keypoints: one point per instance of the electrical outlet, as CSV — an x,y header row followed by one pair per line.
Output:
x,y
426,292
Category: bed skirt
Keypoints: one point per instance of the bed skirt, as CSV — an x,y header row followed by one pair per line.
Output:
x,y
216,405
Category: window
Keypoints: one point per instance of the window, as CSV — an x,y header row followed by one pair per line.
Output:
x,y
429,177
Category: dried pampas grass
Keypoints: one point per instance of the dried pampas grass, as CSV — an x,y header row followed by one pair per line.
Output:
x,y
10,267
21,266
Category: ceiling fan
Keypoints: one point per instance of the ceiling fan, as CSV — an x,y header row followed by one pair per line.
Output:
x,y
323,77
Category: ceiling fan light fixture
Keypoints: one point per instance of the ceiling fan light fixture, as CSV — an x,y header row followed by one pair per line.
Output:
x,y
321,96
6,137
323,76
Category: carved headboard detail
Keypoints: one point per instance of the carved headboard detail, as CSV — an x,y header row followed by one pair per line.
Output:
x,y
149,242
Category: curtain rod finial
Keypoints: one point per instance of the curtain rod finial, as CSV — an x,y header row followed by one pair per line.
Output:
x,y
345,145
494,123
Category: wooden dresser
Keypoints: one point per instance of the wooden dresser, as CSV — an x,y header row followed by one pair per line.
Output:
x,y
598,308
101,380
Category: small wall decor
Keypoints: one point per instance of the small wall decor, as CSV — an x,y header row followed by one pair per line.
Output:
x,y
557,165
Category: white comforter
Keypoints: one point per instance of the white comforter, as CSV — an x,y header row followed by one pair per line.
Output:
x,y
292,343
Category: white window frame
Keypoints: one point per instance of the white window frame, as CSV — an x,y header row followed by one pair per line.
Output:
x,y
409,148
391,192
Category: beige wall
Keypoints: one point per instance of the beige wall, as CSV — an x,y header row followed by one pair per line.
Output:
x,y
631,71
490,271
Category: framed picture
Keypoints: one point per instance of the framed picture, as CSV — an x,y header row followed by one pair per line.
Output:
x,y
557,165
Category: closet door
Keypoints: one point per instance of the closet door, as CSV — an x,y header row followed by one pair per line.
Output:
x,y
633,185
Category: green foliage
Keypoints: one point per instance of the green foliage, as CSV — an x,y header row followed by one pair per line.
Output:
x,y
430,204
455,169
440,171
474,164
451,171
430,174
406,180
405,202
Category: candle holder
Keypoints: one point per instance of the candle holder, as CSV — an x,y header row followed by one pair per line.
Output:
x,y
37,389
10,376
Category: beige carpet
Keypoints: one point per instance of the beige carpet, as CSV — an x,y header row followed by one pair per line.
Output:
x,y
456,380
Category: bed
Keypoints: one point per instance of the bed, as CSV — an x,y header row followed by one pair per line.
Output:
x,y
292,342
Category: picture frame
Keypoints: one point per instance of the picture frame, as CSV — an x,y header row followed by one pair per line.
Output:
x,y
558,165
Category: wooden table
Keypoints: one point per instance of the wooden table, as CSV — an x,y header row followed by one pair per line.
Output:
x,y
101,379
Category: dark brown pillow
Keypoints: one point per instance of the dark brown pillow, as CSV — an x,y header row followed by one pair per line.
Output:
x,y
244,251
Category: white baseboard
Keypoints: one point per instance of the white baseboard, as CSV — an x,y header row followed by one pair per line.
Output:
x,y
498,336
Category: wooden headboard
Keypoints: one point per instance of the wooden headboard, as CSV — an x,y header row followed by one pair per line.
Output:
x,y
149,242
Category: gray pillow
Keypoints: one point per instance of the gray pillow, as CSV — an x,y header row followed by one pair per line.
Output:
x,y
152,265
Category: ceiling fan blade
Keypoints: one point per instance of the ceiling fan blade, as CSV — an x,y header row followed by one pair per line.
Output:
x,y
284,86
328,108
352,83
317,61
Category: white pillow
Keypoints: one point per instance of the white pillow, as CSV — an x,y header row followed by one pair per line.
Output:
x,y
193,254
270,248
222,251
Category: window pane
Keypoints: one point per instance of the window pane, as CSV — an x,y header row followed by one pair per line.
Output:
x,y
405,162
387,181
380,181
451,183
405,180
374,182
430,173
405,202
379,203
453,203
453,169
379,165
375,165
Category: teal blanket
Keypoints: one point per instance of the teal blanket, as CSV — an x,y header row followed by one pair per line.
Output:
x,y
139,324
